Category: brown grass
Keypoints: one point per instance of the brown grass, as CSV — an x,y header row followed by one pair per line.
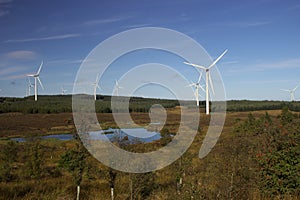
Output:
x,y
210,173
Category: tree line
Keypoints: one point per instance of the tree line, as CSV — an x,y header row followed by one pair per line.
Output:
x,y
63,104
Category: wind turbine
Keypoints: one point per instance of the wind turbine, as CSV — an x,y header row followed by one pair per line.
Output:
x,y
36,79
292,92
197,86
117,88
30,85
208,78
96,85
63,91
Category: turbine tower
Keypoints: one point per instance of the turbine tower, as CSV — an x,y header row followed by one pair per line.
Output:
x,y
30,85
292,92
207,78
197,86
117,88
36,79
96,85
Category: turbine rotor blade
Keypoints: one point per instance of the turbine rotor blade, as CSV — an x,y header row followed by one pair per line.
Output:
x,y
296,88
200,77
194,65
38,72
40,82
202,88
97,78
217,60
190,85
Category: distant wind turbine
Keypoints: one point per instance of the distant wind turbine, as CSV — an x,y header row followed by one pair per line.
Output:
x,y
36,79
208,78
96,85
30,85
117,88
197,86
292,92
63,91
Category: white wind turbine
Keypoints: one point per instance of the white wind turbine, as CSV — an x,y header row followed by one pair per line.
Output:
x,y
292,92
117,88
30,85
63,91
197,86
36,79
96,85
208,78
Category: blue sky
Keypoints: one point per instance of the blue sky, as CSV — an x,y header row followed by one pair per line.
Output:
x,y
262,38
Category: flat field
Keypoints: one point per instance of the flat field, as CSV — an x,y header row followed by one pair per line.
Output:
x,y
234,169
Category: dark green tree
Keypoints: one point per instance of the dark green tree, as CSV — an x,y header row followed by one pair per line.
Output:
x,y
74,161
279,160
35,160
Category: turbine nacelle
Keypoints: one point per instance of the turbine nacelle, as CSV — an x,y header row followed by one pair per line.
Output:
x,y
208,79
63,91
292,92
36,79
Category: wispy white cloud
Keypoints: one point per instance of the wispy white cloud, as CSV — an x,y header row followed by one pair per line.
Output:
x,y
293,63
56,37
10,73
9,70
13,77
248,24
230,62
294,7
138,25
65,61
283,64
259,82
5,1
106,21
4,7
3,12
12,64
21,54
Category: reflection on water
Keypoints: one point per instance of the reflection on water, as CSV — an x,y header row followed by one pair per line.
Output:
x,y
54,136
130,134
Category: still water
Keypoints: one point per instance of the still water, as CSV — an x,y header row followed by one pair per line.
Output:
x,y
130,134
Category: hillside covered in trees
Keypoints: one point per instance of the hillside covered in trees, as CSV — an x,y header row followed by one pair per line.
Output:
x,y
63,103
